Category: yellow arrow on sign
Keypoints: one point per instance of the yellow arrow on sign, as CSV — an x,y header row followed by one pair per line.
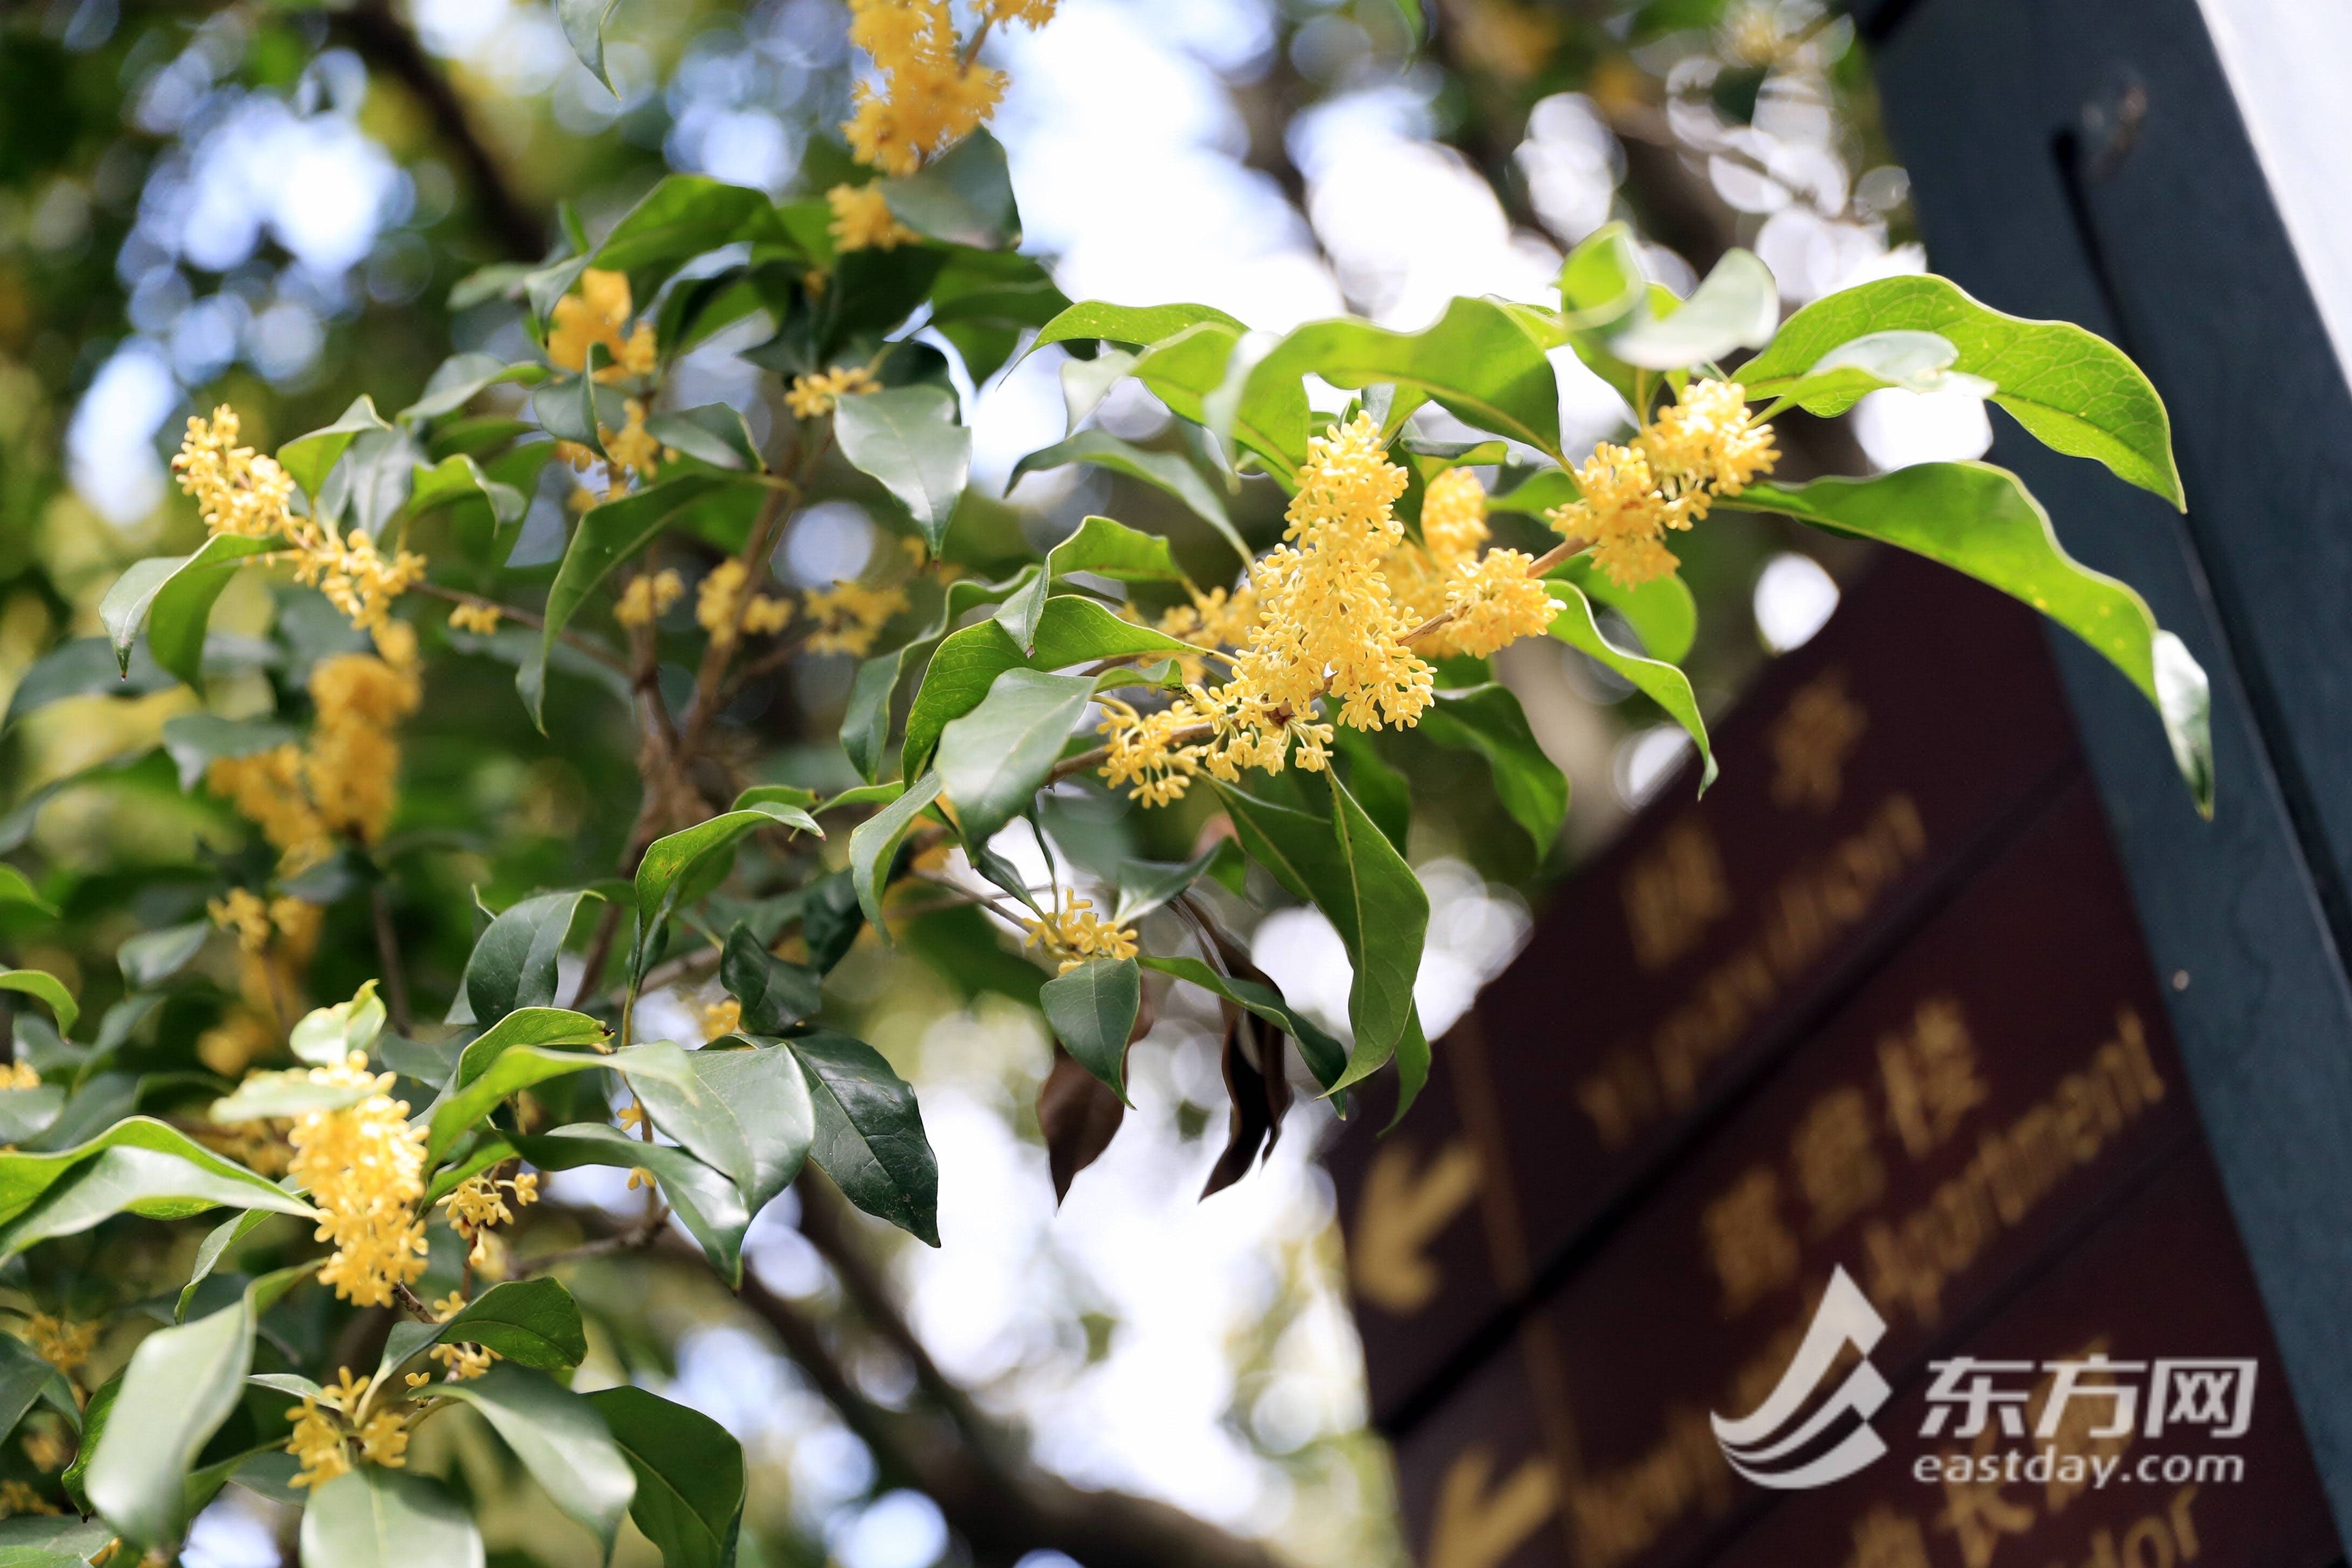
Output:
x,y
1479,1527
1401,1209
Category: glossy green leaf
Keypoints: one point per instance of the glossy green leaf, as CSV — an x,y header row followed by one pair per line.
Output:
x,y
1979,520
681,866
16,887
583,28
527,1026
184,1383
209,1252
1204,375
458,380
1132,324
993,760
691,1482
1661,611
1602,281
1070,630
1144,886
327,1036
907,438
34,1542
513,963
1351,872
2070,388
1487,720
1664,684
1736,306
744,1112
1901,360
1325,1058
964,197
175,593
531,1322
705,1201
870,1133
265,1096
374,1518
516,1069
310,457
606,536
40,984
197,741
1164,470
154,956
459,478
682,218
127,1178
712,433
1479,362
874,846
25,1380
866,727
561,1440
1086,382
774,996
1093,1010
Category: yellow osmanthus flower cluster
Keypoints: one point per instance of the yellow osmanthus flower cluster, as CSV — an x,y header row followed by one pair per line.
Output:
x,y
478,617
648,597
343,780
813,396
479,1203
1486,601
241,492
931,95
255,921
364,1168
599,313
63,1344
328,1423
631,449
20,1498
849,615
1704,445
19,1075
1216,619
718,1019
862,220
722,608
1074,932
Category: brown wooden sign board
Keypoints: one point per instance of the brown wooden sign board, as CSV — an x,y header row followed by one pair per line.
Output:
x,y
1960,1087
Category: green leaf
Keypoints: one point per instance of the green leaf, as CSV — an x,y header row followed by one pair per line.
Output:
x,y
1138,325
374,1517
1979,520
1145,885
456,382
1736,306
25,1380
513,963
527,1026
32,1541
2070,388
153,957
607,536
1660,611
744,1112
47,988
993,760
706,1202
27,1114
583,28
870,1133
1602,281
531,1322
93,1429
1479,362
1487,720
209,1251
143,1181
195,741
516,1069
683,216
312,458
1904,360
176,593
774,996
1385,793
1377,907
874,846
1165,470
460,479
561,1440
691,1476
1070,630
712,433
866,727
964,198
1093,1009
907,438
1325,1058
1665,684
16,888
1085,383
683,866
327,1036
183,1382
268,1095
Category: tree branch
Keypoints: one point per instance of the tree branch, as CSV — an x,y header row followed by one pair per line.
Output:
x,y
387,45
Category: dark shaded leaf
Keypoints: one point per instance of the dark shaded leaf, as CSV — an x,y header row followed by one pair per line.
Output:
x,y
870,1133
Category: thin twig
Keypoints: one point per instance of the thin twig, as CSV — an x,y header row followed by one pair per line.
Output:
x,y
387,951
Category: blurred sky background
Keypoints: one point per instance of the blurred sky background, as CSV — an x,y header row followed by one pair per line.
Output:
x,y
1198,1351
